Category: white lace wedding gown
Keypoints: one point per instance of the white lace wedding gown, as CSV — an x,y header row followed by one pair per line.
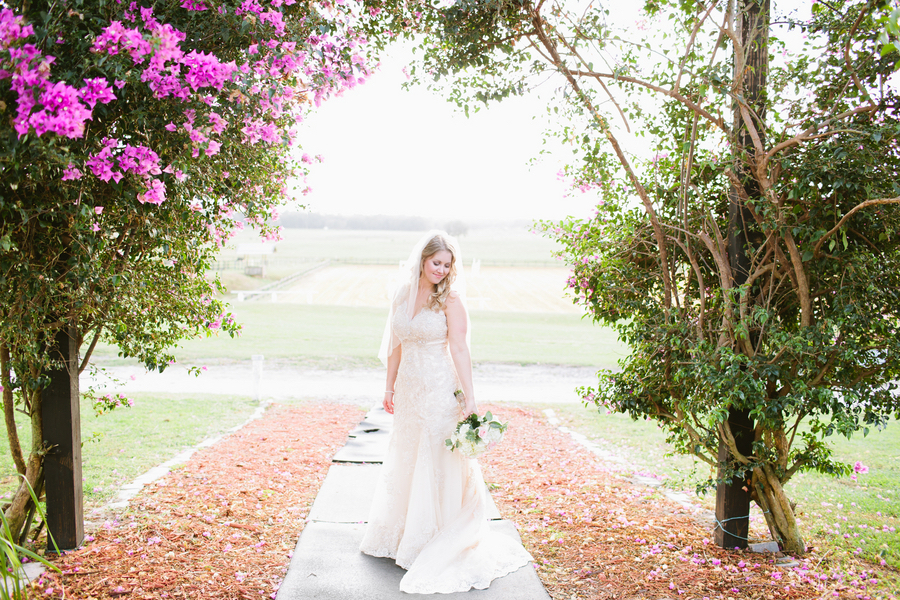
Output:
x,y
428,513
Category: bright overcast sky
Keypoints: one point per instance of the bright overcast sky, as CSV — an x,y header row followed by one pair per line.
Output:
x,y
396,152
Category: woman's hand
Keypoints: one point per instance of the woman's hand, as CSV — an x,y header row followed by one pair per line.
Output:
x,y
469,408
388,403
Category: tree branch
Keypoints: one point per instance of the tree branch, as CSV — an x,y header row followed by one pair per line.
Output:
x,y
9,414
701,286
90,350
717,121
538,23
858,207
802,282
603,85
862,13
808,133
690,44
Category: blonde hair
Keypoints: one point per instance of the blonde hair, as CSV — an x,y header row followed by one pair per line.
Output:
x,y
442,290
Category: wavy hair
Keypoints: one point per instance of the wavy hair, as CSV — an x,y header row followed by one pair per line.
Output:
x,y
442,290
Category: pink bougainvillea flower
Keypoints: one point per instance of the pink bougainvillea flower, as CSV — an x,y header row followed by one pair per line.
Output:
x,y
98,210
71,172
154,194
192,5
860,468
212,148
96,90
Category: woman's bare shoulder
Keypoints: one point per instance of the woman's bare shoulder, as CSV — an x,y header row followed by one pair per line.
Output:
x,y
454,304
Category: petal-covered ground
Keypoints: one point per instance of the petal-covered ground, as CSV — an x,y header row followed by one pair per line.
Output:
x,y
595,535
224,525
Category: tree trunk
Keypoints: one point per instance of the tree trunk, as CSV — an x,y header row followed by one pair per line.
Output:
x,y
21,504
9,411
17,512
751,66
770,496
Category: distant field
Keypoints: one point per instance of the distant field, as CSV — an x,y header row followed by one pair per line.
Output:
x,y
335,315
491,246
338,336
507,280
515,289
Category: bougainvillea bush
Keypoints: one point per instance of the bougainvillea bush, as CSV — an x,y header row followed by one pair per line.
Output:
x,y
135,139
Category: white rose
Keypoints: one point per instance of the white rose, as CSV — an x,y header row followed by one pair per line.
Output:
x,y
471,449
494,435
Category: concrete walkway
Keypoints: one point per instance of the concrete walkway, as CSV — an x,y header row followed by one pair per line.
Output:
x,y
282,380
327,563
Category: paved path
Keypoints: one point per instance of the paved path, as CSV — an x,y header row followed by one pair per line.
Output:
x,y
282,380
327,563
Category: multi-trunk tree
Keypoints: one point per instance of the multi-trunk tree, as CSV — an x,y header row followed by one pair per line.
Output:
x,y
136,138
794,328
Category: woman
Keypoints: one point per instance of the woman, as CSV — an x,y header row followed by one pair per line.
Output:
x,y
428,513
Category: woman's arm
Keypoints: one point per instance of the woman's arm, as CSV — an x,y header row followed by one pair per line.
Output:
x,y
392,367
457,326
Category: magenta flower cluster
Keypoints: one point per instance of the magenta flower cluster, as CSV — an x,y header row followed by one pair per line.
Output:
x,y
108,402
44,106
258,98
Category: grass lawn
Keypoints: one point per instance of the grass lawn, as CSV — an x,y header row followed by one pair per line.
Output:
x,y
340,336
122,444
861,517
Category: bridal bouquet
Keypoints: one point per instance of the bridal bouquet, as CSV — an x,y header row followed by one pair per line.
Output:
x,y
476,435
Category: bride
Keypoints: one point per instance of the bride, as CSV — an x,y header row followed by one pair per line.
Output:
x,y
428,513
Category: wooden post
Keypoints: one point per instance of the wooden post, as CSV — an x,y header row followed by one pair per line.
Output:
x,y
733,500
62,433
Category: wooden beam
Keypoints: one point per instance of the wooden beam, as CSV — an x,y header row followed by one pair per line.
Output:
x,y
733,500
62,434
752,68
